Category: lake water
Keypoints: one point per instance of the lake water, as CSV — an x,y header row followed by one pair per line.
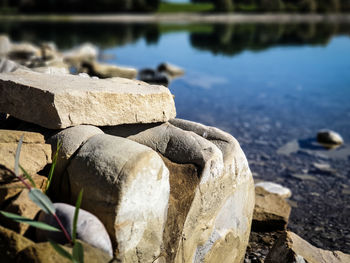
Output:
x,y
272,86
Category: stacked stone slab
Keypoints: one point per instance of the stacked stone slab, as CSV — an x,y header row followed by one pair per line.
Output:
x,y
60,101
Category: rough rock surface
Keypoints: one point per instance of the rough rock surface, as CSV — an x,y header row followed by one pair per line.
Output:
x,y
89,228
215,209
271,211
70,139
10,244
59,101
44,253
34,156
291,248
128,186
274,188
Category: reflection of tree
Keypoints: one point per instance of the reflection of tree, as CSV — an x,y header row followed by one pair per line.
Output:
x,y
67,35
231,39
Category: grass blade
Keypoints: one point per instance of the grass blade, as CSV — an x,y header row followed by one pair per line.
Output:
x,y
76,214
78,252
22,219
18,152
27,176
53,165
41,200
61,250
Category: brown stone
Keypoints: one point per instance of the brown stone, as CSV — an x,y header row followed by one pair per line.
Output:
x,y
10,244
183,180
290,248
271,211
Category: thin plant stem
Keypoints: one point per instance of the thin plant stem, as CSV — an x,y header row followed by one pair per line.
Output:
x,y
63,229
24,182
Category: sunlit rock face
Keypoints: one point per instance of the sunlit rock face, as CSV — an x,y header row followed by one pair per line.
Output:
x,y
60,101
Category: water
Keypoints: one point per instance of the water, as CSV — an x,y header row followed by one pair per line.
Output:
x,y
269,85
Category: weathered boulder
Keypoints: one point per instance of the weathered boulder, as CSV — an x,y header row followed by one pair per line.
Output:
x,y
274,188
45,253
59,101
34,156
10,244
89,228
70,139
108,71
290,248
271,211
211,203
329,137
171,70
5,45
128,186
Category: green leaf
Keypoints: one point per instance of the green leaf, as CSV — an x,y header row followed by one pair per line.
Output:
x,y
76,214
53,165
61,251
18,152
22,219
78,252
41,200
27,176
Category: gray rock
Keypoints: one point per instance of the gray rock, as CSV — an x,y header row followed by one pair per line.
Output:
x,y
60,101
84,52
7,65
217,218
154,77
23,51
89,227
329,137
128,189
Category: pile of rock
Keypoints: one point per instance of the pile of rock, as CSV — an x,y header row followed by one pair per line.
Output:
x,y
165,189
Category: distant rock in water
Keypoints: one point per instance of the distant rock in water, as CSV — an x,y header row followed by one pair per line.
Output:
x,y
329,137
152,76
171,70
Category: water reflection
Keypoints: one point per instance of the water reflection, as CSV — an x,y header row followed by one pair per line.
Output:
x,y
227,39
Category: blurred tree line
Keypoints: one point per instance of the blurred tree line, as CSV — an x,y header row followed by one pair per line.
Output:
x,y
289,6
79,6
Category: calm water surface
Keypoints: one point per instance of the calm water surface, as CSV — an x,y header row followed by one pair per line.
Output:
x,y
268,85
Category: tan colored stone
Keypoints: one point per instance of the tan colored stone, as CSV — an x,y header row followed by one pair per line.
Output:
x,y
10,244
34,156
61,101
21,205
5,45
271,211
290,248
108,71
23,51
45,253
128,190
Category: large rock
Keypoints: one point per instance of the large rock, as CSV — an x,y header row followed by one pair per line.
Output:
x,y
34,156
210,209
128,190
108,71
290,248
59,101
271,211
89,228
10,244
45,253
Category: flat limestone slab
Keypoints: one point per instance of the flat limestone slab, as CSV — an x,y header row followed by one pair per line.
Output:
x,y
60,101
